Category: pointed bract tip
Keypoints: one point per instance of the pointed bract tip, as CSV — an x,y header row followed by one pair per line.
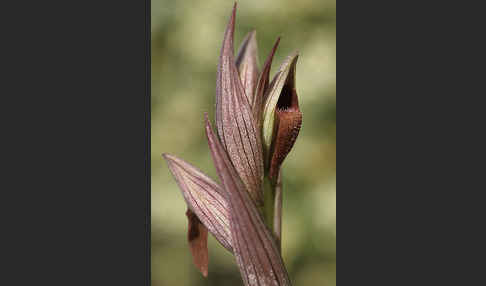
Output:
x,y
252,35
274,49
249,44
171,159
294,55
207,126
289,60
262,85
166,156
268,62
228,34
233,16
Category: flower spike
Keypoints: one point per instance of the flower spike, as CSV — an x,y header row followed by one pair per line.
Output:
x,y
257,123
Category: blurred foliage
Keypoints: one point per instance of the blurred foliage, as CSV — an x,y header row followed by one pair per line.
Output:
x,y
186,41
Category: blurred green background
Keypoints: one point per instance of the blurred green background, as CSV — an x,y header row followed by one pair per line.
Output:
x,y
186,40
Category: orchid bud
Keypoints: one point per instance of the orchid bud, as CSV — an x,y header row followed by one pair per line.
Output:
x,y
281,116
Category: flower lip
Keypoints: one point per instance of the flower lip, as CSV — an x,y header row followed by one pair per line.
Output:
x,y
197,236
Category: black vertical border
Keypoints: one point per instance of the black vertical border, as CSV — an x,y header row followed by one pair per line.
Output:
x,y
74,199
411,146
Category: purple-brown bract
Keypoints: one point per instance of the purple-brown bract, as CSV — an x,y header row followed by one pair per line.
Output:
x,y
257,123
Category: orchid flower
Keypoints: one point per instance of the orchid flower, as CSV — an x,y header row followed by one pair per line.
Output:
x,y
257,123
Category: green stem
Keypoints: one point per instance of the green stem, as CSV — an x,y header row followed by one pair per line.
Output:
x,y
272,190
269,197
277,218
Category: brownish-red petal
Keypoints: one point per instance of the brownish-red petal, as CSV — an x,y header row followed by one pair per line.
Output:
x,y
288,125
197,236
288,120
